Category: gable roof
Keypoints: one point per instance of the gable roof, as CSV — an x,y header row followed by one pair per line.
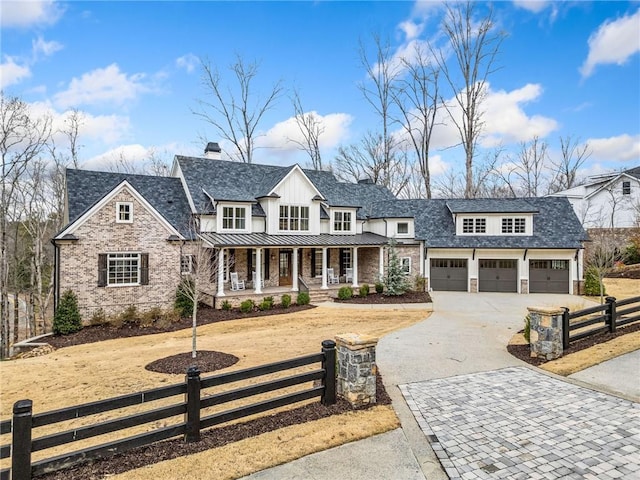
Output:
x,y
554,226
85,188
244,182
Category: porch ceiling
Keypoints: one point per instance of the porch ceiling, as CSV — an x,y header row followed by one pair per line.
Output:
x,y
266,240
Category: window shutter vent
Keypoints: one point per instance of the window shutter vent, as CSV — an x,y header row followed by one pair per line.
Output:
x,y
144,269
102,270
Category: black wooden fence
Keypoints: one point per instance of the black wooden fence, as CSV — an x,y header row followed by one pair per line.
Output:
x,y
24,421
601,318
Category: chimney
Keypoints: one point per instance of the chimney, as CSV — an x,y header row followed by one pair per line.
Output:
x,y
213,151
365,181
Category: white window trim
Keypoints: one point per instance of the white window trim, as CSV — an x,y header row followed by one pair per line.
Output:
x,y
188,256
123,204
234,218
299,218
342,221
115,255
398,232
402,260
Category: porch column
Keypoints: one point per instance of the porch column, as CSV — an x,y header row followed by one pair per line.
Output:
x,y
381,265
221,273
324,268
294,286
258,283
354,265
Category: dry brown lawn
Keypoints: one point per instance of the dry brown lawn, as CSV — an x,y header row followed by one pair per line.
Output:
x,y
622,287
90,372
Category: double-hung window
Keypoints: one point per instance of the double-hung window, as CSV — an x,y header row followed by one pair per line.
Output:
x,y
124,212
123,269
342,221
187,264
626,188
234,218
405,264
294,218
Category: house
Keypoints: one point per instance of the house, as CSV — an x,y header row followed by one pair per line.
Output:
x,y
609,200
271,230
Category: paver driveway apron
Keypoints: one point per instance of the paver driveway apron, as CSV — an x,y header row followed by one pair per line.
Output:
x,y
486,415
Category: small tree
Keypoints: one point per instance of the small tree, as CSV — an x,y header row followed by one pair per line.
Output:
x,y
395,281
67,319
601,259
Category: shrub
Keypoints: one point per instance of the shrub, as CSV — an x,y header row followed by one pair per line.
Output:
x,y
247,306
527,328
168,317
148,318
226,305
632,253
395,281
98,318
592,283
130,315
286,300
67,319
184,302
364,290
379,287
266,304
303,298
420,283
345,293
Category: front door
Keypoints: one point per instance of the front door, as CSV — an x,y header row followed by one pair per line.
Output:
x,y
285,267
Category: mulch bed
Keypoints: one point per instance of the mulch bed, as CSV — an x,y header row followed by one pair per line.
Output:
x,y
213,438
381,298
206,315
206,361
523,352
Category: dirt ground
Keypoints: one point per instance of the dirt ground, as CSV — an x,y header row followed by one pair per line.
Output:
x,y
93,371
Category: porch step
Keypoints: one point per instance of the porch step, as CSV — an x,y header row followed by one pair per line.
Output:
x,y
319,296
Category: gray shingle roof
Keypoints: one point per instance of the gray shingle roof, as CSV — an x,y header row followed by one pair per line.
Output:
x,y
242,182
85,188
490,205
554,226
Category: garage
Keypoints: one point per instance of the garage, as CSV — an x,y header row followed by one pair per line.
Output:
x,y
498,276
449,274
548,276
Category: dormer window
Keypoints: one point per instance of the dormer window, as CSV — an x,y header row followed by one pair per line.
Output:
x,y
403,228
474,225
124,212
513,225
626,188
294,218
234,218
342,221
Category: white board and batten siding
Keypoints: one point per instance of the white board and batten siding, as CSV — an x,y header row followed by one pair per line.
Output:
x,y
294,190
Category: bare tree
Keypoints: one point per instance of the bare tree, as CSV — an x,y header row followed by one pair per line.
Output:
x,y
485,182
573,156
601,256
22,139
525,174
417,98
311,128
475,45
382,73
367,160
236,112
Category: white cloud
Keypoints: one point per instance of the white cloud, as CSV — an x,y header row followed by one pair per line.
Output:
x,y
620,148
411,29
26,13
280,136
102,85
40,46
133,154
11,73
535,6
614,42
189,62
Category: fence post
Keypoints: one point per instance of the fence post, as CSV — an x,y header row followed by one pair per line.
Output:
x,y
192,416
565,328
21,440
611,313
329,366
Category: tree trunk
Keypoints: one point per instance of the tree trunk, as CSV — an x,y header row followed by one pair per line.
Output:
x,y
194,315
16,317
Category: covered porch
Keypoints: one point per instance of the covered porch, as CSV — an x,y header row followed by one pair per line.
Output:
x,y
261,264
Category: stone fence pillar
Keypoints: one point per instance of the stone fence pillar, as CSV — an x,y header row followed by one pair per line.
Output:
x,y
545,337
357,368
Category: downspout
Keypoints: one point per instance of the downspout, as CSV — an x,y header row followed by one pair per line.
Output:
x,y
577,256
56,275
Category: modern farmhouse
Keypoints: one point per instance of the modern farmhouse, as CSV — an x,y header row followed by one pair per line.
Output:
x,y
270,230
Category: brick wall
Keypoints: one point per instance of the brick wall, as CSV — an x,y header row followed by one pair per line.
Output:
x,y
101,234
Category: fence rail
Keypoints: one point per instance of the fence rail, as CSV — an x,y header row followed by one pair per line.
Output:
x,y
24,421
609,319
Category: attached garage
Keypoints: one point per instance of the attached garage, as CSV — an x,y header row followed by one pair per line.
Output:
x,y
449,274
548,276
498,276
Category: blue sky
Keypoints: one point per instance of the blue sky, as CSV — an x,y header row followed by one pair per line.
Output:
x,y
569,68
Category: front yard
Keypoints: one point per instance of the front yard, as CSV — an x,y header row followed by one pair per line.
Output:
x,y
93,371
